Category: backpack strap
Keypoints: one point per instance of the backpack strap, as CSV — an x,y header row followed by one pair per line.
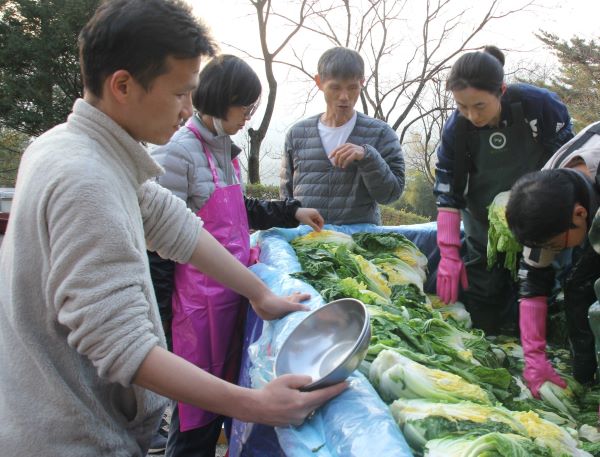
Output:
x,y
462,158
518,119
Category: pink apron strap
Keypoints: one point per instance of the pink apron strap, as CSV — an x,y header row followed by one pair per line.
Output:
x,y
211,163
236,167
205,148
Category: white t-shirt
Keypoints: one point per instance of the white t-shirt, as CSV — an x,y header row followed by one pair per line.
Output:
x,y
332,137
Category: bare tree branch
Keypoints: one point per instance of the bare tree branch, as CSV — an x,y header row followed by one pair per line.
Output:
x,y
409,94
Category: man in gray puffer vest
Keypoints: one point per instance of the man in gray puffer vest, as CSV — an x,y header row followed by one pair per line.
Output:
x,y
342,163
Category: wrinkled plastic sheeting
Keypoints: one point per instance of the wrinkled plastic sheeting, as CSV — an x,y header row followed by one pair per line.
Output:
x,y
357,422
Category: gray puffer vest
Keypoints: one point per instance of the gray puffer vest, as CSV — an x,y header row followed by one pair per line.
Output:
x,y
350,195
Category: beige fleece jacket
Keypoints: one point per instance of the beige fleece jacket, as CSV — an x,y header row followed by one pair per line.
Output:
x,y
77,308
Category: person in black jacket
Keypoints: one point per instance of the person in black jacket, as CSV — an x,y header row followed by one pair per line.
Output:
x,y
550,211
201,167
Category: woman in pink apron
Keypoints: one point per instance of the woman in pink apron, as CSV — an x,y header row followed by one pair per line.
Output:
x,y
201,167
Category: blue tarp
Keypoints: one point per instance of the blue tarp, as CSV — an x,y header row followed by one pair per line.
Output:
x,y
356,423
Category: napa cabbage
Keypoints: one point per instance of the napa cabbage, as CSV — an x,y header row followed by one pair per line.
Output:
x,y
393,243
395,376
544,433
399,272
351,288
422,420
500,238
394,329
471,346
329,239
355,265
488,445
455,311
561,399
589,433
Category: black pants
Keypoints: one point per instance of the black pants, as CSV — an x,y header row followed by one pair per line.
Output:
x,y
491,298
579,296
199,442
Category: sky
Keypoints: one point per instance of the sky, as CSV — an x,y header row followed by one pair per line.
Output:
x,y
233,22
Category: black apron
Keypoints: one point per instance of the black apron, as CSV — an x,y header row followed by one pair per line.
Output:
x,y
493,159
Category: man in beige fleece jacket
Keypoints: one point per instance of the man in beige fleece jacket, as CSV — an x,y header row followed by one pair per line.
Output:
x,y
82,351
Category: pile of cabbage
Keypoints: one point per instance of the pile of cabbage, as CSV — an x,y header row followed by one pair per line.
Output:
x,y
452,391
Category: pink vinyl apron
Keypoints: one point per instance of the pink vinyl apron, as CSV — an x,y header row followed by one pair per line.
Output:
x,y
207,316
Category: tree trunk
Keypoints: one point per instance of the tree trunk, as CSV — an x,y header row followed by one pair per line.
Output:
x,y
254,156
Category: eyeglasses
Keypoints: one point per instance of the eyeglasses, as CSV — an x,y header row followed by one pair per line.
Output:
x,y
249,110
558,243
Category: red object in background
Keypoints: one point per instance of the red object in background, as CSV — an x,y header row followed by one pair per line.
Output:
x,y
3,223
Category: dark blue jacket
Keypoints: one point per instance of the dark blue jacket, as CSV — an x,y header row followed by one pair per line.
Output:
x,y
548,119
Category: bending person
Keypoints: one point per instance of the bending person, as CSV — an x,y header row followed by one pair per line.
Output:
x,y
496,134
551,211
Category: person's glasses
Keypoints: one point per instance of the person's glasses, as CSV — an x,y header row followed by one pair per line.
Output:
x,y
558,243
249,110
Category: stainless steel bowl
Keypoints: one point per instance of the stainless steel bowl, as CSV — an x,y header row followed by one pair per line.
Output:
x,y
328,345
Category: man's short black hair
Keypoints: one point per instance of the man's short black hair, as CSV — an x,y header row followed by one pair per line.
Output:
x,y
138,36
341,63
225,81
541,205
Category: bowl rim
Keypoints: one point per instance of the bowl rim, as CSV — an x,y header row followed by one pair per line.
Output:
x,y
366,326
317,384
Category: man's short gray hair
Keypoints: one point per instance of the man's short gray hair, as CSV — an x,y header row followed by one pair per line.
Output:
x,y
341,63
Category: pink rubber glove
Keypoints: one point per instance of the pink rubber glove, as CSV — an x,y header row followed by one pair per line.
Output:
x,y
532,322
451,268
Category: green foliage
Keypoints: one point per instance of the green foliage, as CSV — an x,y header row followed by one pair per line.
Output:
x,y
578,84
391,216
12,145
39,63
418,196
262,191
